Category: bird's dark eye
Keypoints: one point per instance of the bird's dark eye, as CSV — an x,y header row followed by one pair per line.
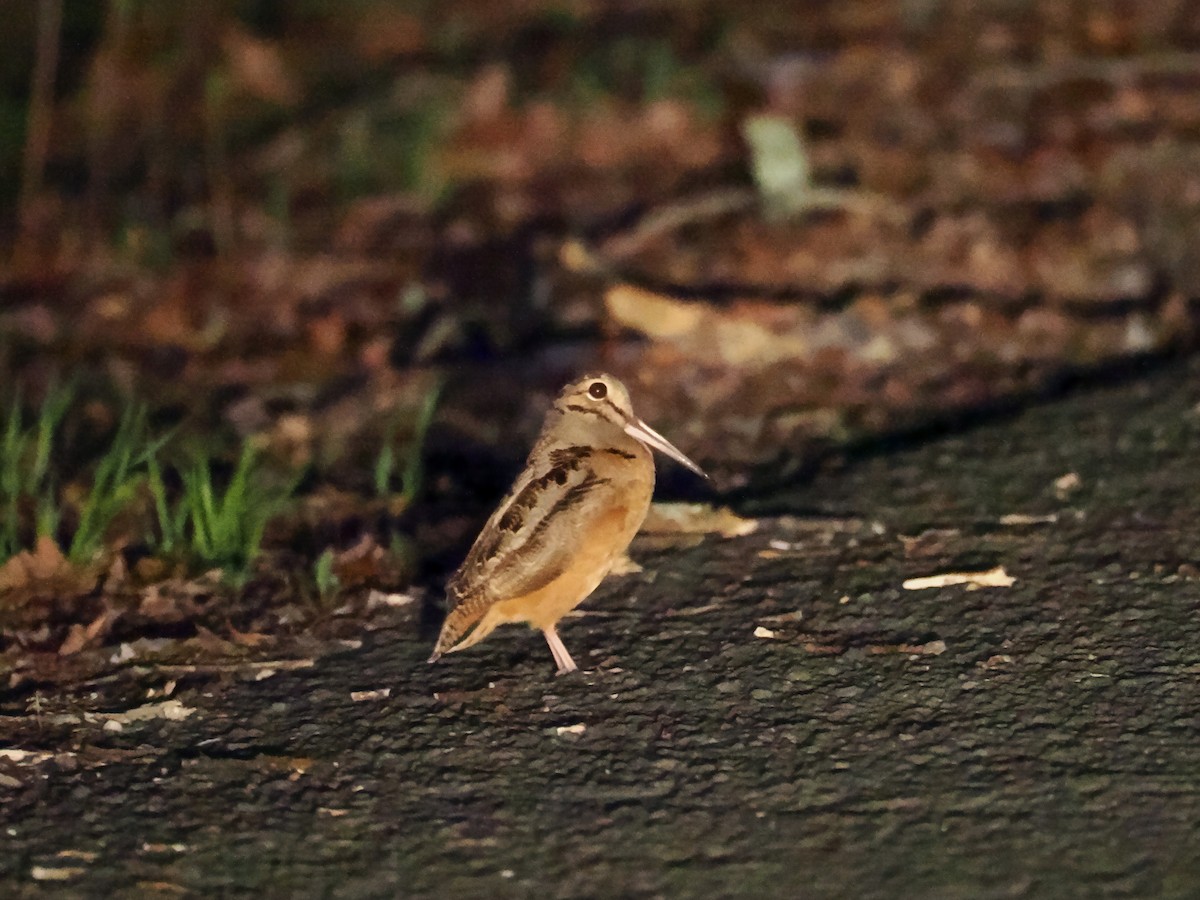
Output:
x,y
597,390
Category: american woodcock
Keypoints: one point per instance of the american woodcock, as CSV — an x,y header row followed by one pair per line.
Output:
x,y
568,519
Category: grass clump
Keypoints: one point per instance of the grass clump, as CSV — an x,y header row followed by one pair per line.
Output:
x,y
36,501
217,526
130,489
205,520
116,484
389,461
25,477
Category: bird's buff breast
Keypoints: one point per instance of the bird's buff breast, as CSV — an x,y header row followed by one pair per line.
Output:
x,y
608,535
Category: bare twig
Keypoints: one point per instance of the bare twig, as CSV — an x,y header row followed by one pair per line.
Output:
x,y
104,109
41,107
216,157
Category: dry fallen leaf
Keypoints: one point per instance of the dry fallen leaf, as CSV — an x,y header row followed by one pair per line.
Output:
x,y
696,518
44,564
75,640
1016,519
996,577
377,599
360,563
1067,484
80,636
655,315
171,710
249,638
211,642
750,334
24,757
55,873
930,648
380,694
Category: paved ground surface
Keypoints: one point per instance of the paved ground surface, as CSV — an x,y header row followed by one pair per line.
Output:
x,y
1035,740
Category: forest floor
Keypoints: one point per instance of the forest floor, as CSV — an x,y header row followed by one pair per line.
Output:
x,y
753,715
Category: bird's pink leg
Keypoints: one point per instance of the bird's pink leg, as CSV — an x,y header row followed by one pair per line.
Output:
x,y
561,656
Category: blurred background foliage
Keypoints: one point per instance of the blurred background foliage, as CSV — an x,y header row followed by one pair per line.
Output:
x,y
118,117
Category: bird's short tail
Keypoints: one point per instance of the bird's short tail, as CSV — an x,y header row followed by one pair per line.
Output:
x,y
458,622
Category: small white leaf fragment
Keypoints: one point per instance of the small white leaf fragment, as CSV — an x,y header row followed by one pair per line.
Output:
x,y
570,729
1065,484
996,577
377,598
12,754
932,648
50,873
779,163
171,710
165,691
795,615
380,694
761,632
1024,519
124,653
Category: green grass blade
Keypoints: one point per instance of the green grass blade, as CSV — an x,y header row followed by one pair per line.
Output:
x,y
115,484
53,411
167,534
227,527
414,468
385,464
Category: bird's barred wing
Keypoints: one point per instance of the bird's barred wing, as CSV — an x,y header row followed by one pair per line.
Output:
x,y
532,538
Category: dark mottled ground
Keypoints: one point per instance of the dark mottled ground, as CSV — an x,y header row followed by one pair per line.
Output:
x,y
1051,749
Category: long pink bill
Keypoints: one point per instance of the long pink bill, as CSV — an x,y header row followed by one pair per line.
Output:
x,y
651,438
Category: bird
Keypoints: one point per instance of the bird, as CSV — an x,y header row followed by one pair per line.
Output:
x,y
567,520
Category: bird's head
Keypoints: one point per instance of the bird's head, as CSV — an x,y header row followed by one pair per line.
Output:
x,y
605,398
